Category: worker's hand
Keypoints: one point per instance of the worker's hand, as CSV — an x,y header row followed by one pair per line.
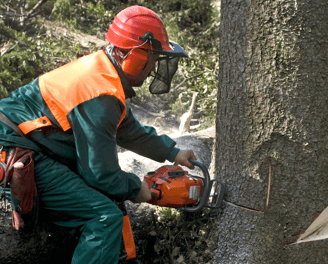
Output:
x,y
183,156
144,194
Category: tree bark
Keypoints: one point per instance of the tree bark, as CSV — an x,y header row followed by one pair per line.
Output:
x,y
272,129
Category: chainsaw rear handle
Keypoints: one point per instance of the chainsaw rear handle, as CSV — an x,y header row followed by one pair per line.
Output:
x,y
206,190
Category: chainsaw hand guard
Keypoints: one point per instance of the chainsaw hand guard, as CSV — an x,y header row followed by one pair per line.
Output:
x,y
208,183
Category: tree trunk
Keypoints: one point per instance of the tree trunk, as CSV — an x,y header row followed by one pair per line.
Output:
x,y
272,129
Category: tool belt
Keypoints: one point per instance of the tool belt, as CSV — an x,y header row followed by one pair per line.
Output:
x,y
20,180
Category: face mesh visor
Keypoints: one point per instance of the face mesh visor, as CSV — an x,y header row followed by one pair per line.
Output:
x,y
166,68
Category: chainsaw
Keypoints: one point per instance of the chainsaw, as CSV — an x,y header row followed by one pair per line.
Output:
x,y
171,186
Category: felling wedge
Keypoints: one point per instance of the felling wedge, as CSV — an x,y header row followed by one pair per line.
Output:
x,y
318,230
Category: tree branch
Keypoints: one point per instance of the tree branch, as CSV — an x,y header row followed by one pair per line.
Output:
x,y
186,79
23,17
29,14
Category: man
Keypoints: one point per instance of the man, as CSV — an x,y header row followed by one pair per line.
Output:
x,y
75,116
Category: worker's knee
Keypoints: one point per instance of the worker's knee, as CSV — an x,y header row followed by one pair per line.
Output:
x,y
110,216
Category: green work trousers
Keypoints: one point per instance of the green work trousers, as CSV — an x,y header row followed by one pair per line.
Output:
x,y
71,203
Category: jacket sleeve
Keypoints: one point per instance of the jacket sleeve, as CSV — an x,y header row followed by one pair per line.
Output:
x,y
94,125
144,140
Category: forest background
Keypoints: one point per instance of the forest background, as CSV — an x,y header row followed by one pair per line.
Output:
x,y
29,49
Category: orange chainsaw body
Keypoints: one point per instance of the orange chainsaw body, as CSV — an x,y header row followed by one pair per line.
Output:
x,y
171,186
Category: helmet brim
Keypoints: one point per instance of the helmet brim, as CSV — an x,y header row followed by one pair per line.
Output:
x,y
177,51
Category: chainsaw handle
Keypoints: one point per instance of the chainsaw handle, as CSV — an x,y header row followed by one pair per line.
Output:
x,y
206,190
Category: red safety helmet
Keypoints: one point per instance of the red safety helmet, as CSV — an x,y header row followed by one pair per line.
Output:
x,y
131,24
138,27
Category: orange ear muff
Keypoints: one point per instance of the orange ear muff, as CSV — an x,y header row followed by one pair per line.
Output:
x,y
135,62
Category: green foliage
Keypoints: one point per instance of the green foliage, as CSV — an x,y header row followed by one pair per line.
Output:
x,y
19,63
166,214
89,16
26,55
63,9
103,17
194,11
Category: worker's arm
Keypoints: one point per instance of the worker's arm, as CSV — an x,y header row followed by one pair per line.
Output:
x,y
144,140
94,124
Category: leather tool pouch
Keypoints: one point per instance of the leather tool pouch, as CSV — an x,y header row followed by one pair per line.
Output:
x,y
24,198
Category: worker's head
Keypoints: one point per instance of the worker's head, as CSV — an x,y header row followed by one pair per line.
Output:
x,y
140,44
